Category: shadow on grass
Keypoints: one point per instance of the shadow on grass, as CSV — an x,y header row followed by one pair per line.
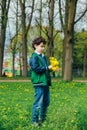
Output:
x,y
1,127
82,119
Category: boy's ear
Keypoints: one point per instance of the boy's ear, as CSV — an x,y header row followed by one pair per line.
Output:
x,y
35,45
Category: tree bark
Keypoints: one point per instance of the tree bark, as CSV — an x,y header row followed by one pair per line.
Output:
x,y
4,18
40,18
25,29
13,65
68,38
50,46
85,63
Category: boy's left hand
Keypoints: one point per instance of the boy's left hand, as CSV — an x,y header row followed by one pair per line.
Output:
x,y
50,67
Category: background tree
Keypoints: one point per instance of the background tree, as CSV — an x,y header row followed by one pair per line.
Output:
x,y
49,26
40,17
50,29
67,23
14,47
25,29
4,18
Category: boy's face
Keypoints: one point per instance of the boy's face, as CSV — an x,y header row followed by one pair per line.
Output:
x,y
40,48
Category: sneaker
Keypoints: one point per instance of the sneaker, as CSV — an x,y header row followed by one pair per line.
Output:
x,y
35,124
40,122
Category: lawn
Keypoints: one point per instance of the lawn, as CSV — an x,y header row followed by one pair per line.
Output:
x,y
67,110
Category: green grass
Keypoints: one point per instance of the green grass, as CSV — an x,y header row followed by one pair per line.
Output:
x,y
67,110
15,78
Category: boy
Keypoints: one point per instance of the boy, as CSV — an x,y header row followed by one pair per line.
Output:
x,y
41,80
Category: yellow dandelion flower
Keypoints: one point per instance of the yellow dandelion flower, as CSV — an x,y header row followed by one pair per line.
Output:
x,y
55,64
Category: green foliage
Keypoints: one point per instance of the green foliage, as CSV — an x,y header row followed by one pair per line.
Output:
x,y
79,48
67,110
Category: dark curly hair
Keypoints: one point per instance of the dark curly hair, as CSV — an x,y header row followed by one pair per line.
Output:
x,y
37,41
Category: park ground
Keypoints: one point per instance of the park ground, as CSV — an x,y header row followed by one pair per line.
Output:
x,y
67,110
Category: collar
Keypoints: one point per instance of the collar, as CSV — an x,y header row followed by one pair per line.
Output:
x,y
39,53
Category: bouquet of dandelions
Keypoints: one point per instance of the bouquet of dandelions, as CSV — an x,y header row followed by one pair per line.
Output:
x,y
54,63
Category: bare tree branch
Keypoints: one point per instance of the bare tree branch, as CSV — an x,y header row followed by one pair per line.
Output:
x,y
81,15
30,19
44,31
60,13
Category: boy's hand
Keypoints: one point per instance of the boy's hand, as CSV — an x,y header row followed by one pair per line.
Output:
x,y
50,67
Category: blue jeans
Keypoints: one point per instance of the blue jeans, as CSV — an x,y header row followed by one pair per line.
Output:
x,y
42,100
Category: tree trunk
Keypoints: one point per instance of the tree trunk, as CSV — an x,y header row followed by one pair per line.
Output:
x,y
63,57
84,63
1,55
40,17
24,56
64,28
68,40
50,51
4,18
25,29
24,39
68,61
13,64
20,63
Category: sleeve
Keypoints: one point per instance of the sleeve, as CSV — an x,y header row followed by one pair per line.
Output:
x,y
35,65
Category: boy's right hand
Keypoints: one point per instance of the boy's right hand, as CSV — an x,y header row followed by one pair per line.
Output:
x,y
50,67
